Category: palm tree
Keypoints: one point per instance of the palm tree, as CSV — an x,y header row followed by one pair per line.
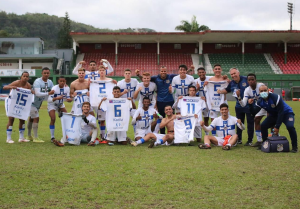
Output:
x,y
191,27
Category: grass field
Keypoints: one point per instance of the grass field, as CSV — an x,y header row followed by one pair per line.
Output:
x,y
41,175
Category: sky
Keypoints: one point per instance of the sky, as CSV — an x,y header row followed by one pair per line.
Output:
x,y
165,15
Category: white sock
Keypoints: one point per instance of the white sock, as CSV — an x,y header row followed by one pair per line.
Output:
x,y
21,133
8,133
258,136
29,127
139,141
35,129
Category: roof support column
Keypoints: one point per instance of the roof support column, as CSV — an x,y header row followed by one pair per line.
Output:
x,y
285,52
243,52
116,53
20,64
157,52
200,52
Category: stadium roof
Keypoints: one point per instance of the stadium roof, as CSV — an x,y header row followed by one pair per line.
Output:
x,y
211,36
28,56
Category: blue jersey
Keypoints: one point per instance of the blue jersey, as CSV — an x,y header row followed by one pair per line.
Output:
x,y
241,85
163,94
41,89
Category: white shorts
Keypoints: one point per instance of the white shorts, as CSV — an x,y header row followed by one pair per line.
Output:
x,y
34,112
205,113
262,112
159,136
141,132
113,135
214,114
198,132
221,141
101,115
51,106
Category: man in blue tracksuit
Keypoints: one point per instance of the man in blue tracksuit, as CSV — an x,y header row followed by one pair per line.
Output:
x,y
164,98
279,112
240,83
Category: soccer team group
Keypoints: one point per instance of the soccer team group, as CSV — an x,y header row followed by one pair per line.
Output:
x,y
166,105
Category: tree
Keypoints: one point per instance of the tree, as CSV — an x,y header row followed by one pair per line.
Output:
x,y
191,27
64,40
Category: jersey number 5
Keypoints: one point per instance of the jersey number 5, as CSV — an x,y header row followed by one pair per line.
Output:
x,y
21,100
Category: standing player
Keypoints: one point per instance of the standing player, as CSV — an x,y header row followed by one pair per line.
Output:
x,y
251,95
88,128
145,89
225,125
181,82
42,89
22,83
144,119
56,102
159,139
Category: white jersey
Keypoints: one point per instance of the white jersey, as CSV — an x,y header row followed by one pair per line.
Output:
x,y
180,86
201,92
71,128
130,86
213,99
146,120
191,106
117,113
184,129
18,104
81,97
93,75
65,91
99,90
41,89
224,127
147,92
249,93
87,128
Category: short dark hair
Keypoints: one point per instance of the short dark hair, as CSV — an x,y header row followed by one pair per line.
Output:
x,y
128,70
223,105
86,103
217,65
116,88
93,62
183,66
24,72
61,77
192,87
146,98
167,106
45,68
251,74
201,68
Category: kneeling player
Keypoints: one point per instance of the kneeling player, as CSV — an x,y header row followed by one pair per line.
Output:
x,y
159,139
56,102
88,127
225,127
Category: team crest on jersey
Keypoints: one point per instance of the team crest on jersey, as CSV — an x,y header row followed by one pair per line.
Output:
x,y
273,105
167,81
244,84
279,147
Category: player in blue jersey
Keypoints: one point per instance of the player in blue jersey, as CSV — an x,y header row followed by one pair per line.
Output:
x,y
42,88
240,83
164,97
278,112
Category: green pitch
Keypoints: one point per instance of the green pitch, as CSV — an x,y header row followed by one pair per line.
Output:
x,y
41,175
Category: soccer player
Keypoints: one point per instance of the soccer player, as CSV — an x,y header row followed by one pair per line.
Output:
x,y
79,90
56,102
164,97
22,83
88,128
120,135
225,125
145,89
143,119
191,105
239,83
42,89
251,94
93,70
159,139
180,83
278,112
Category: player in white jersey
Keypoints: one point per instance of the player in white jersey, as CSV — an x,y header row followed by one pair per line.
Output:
x,y
56,102
225,126
191,105
120,136
42,89
251,94
160,139
180,83
146,89
22,83
92,72
144,119
88,128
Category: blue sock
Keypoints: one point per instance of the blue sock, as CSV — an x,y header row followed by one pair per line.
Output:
x,y
102,131
142,140
161,141
52,128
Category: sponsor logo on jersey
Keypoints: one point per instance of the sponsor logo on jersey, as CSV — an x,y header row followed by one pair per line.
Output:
x,y
244,84
273,105
117,101
191,100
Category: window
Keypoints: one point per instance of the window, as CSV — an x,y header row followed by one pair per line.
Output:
x,y
258,46
273,83
138,46
290,83
177,46
218,46
98,46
